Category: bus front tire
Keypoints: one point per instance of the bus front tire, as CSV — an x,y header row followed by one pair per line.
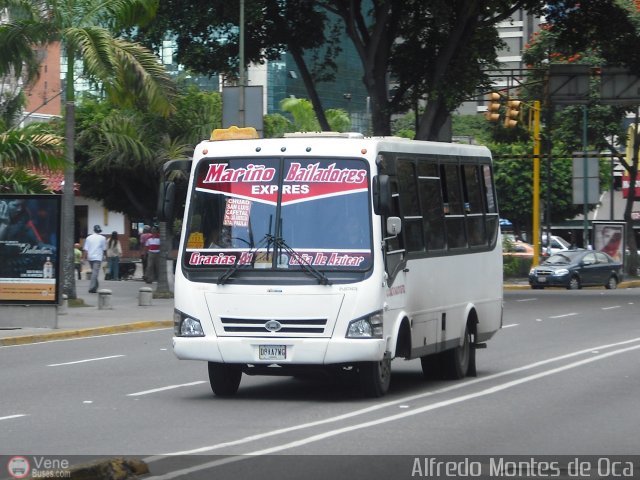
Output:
x,y
224,378
375,377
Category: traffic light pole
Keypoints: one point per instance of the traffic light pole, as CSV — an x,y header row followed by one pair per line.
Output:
x,y
536,183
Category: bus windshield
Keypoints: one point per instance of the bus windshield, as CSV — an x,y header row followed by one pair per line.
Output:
x,y
280,213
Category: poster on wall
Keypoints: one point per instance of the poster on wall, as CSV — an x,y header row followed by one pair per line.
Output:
x,y
29,248
608,237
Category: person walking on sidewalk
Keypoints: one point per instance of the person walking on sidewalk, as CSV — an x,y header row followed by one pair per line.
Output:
x,y
94,248
114,252
77,259
152,246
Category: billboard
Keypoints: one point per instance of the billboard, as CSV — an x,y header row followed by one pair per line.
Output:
x,y
609,237
29,248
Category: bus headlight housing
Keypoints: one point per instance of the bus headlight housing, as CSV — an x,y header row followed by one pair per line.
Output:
x,y
186,326
369,326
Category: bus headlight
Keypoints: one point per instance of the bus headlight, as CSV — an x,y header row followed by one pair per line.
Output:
x,y
369,326
185,326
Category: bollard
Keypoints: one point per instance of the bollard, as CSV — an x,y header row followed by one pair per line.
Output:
x,y
104,299
62,308
144,296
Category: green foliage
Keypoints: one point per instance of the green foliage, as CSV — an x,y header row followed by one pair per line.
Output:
x,y
31,146
18,180
276,125
305,120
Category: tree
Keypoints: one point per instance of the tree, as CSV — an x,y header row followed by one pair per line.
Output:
x,y
88,33
305,120
579,28
207,37
21,149
434,52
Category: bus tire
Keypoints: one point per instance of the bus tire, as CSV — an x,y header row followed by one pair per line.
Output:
x,y
375,377
456,361
224,378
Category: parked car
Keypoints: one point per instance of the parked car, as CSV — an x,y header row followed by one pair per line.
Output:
x,y
517,249
558,244
574,269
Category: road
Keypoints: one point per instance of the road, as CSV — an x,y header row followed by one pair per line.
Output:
x,y
561,378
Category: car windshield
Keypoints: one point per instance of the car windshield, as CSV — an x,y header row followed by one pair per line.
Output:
x,y
563,258
245,211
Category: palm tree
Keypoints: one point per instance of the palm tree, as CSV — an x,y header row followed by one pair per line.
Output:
x,y
126,139
87,32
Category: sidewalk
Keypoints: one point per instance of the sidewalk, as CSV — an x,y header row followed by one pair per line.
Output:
x,y
125,314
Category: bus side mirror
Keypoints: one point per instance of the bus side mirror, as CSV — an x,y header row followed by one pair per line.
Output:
x,y
166,201
394,226
381,195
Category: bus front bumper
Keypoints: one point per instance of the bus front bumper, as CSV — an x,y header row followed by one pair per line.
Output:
x,y
297,351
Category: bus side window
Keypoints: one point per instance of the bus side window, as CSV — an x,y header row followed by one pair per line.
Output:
x,y
394,246
412,225
472,189
452,193
433,209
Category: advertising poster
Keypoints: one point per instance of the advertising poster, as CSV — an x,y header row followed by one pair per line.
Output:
x,y
609,238
29,248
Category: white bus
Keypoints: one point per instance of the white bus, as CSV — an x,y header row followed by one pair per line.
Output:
x,y
336,252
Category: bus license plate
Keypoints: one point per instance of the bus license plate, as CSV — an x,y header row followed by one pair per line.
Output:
x,y
272,352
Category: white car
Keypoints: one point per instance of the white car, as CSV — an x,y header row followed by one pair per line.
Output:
x,y
558,244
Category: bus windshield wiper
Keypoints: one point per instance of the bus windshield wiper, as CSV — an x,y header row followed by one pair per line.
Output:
x,y
234,268
321,277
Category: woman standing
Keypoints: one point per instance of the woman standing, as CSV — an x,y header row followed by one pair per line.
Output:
x,y
114,252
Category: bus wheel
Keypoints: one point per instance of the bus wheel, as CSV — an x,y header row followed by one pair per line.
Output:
x,y
457,360
224,378
375,377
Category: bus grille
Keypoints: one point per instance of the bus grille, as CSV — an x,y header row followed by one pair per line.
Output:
x,y
259,325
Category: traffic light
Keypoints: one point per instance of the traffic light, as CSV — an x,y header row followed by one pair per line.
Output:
x,y
512,114
493,107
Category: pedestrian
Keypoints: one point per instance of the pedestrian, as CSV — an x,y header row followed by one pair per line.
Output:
x,y
144,236
152,246
94,249
77,259
114,252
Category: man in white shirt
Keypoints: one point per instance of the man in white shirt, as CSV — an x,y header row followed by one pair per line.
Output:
x,y
94,249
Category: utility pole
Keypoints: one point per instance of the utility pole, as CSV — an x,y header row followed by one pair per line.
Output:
x,y
242,73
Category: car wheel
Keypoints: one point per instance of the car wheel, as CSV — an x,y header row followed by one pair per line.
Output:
x,y
612,284
224,378
574,283
537,287
375,377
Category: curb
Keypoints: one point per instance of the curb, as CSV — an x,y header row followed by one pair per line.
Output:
x,y
85,332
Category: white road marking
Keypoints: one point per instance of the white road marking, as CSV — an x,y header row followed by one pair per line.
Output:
x,y
611,308
162,389
390,418
510,325
9,417
565,315
85,361
403,400
526,300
